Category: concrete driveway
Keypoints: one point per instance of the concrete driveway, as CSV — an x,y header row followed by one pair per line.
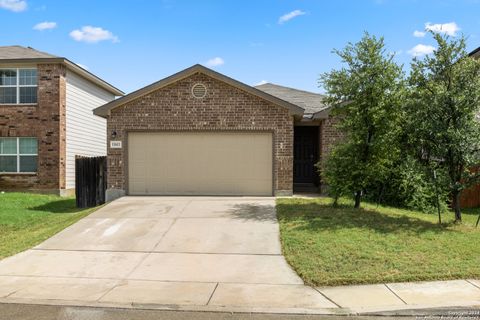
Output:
x,y
196,251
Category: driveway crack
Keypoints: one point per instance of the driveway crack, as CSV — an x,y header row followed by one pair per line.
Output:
x,y
164,234
214,289
11,294
473,284
111,289
396,295
326,297
170,226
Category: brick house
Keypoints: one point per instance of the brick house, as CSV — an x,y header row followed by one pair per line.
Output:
x,y
46,119
199,132
475,53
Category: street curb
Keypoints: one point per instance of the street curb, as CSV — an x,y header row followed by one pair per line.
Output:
x,y
469,311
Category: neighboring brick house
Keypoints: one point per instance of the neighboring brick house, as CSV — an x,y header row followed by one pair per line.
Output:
x,y
199,132
46,119
475,53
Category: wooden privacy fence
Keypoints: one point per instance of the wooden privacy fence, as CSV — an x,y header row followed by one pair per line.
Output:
x,y
90,181
470,197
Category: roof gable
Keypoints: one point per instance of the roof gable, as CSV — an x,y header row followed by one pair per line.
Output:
x,y
104,110
20,55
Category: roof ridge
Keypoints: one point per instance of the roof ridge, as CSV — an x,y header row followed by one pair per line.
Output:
x,y
278,85
104,110
53,55
310,101
20,48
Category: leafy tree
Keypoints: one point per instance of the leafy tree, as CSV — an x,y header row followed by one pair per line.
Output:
x,y
337,166
411,185
443,109
366,92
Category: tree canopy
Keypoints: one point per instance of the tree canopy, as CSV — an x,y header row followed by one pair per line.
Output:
x,y
398,131
443,113
366,94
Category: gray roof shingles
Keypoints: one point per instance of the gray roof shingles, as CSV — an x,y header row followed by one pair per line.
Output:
x,y
19,52
310,101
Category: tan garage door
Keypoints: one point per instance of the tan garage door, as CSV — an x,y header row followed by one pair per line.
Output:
x,y
199,163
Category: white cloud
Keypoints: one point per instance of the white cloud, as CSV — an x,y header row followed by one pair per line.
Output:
x,y
45,26
419,34
450,28
289,16
91,34
215,62
261,82
421,50
13,5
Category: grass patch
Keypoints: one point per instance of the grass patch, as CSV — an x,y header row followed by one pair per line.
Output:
x,y
28,219
337,246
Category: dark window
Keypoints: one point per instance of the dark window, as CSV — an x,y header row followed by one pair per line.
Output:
x,y
28,94
18,86
18,154
8,77
8,95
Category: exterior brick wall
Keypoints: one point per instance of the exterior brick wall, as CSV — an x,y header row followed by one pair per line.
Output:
x,y
173,108
45,121
329,136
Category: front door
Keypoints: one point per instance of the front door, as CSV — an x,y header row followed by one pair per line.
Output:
x,y
305,155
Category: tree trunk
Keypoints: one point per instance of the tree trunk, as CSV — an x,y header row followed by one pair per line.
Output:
x,y
456,206
358,196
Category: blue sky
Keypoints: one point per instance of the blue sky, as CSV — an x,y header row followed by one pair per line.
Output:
x,y
131,43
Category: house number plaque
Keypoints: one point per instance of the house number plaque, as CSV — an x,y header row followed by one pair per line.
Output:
x,y
116,144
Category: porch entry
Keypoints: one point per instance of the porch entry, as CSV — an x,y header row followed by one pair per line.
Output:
x,y
305,156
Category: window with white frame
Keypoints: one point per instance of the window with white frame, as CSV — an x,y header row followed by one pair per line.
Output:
x,y
18,155
18,86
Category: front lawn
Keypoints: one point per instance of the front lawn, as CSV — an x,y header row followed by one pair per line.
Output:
x,y
335,246
28,219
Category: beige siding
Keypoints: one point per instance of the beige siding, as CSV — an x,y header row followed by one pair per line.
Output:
x,y
200,163
86,133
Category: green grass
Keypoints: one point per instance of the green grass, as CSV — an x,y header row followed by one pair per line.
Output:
x,y
336,246
28,219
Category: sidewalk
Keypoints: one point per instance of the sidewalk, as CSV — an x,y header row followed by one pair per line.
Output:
x,y
255,298
403,296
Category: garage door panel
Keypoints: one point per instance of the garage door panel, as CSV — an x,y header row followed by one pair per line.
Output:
x,y
139,170
191,163
136,187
